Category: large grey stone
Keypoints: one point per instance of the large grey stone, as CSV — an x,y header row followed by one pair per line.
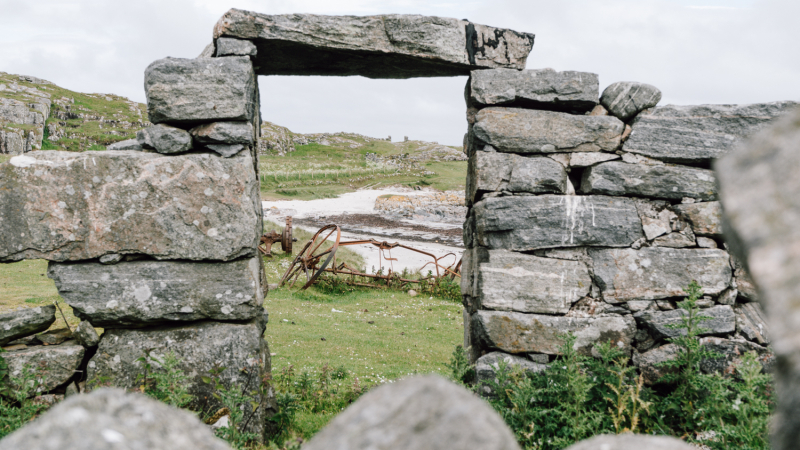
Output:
x,y
546,221
752,323
537,89
665,181
386,46
517,130
760,194
50,365
625,99
234,47
86,335
128,144
147,292
65,206
705,217
419,413
165,139
628,441
650,362
698,133
223,133
493,171
191,91
515,332
731,352
721,320
508,281
200,347
486,366
656,272
25,322
114,419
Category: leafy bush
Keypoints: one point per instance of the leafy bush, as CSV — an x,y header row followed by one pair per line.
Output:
x,y
580,396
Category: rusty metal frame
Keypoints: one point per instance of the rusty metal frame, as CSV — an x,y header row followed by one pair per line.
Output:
x,y
308,261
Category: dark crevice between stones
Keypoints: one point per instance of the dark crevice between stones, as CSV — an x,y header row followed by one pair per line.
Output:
x,y
471,42
575,175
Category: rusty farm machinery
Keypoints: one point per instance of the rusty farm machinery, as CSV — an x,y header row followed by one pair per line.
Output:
x,y
318,256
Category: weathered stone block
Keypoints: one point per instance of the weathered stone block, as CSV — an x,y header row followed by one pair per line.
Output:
x,y
113,418
235,47
486,366
422,412
67,206
200,346
732,352
86,335
51,365
751,322
721,320
586,159
546,221
493,171
516,130
387,46
656,273
649,362
25,322
537,89
515,332
665,181
706,217
510,281
625,99
146,292
164,139
699,133
191,91
223,133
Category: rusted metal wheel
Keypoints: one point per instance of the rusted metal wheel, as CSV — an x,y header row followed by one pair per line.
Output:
x,y
286,237
314,257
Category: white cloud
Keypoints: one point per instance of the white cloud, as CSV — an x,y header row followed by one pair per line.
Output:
x,y
695,51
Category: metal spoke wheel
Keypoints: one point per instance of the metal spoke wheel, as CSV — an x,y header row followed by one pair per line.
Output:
x,y
314,257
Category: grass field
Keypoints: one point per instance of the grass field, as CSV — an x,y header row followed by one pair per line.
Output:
x,y
325,171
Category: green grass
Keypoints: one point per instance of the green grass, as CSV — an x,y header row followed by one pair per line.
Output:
x,y
25,284
318,171
4,158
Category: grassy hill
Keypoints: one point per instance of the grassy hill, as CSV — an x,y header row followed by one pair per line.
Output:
x,y
76,121
292,165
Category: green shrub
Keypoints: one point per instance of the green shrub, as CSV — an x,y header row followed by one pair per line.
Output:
x,y
16,408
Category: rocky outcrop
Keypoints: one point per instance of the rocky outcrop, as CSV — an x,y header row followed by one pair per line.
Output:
x,y
113,418
194,206
25,322
138,293
699,133
525,131
387,46
422,412
544,88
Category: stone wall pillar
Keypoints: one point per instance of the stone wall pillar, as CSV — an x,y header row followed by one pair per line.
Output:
x,y
589,215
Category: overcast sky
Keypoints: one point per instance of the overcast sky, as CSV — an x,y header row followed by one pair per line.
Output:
x,y
695,51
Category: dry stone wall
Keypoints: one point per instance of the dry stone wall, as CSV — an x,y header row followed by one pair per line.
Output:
x,y
589,214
